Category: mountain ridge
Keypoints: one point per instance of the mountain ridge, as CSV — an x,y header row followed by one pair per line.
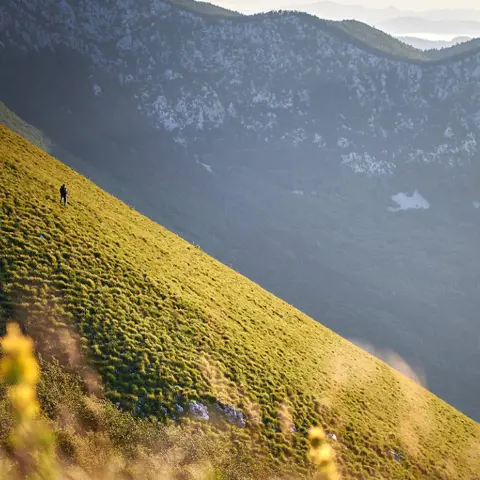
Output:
x,y
351,28
414,25
377,16
426,44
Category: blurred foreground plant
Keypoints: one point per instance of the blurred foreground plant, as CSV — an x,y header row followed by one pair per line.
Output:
x,y
31,443
322,455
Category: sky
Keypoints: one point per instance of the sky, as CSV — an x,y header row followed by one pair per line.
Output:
x,y
251,5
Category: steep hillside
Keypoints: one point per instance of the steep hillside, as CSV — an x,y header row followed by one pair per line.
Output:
x,y
340,177
165,326
16,124
375,40
462,48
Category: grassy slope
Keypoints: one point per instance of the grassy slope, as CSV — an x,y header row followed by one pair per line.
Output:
x,y
15,123
165,323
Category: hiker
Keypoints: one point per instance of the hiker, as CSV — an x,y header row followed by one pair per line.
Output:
x,y
63,194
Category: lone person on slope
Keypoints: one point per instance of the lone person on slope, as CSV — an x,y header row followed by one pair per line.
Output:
x,y
63,194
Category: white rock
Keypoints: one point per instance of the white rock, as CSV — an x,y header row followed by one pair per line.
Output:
x,y
198,410
233,415
406,202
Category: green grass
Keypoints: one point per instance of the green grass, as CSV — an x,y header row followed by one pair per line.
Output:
x,y
15,123
165,324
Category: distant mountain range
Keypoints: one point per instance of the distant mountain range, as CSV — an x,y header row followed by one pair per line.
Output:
x,y
425,44
418,25
400,22
337,11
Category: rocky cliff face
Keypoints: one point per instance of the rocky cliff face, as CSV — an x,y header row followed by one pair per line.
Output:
x,y
342,179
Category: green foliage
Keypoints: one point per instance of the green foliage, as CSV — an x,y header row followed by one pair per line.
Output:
x,y
365,36
465,48
164,324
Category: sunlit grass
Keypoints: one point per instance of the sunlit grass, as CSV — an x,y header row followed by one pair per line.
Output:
x,y
163,324
30,442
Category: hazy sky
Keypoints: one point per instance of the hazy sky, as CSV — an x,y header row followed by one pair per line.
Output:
x,y
250,5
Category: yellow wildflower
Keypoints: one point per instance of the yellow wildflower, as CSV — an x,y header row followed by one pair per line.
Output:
x,y
322,455
14,344
316,435
19,369
32,444
8,370
23,400
30,370
18,365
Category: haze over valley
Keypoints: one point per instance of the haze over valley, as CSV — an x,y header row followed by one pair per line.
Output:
x,y
444,24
